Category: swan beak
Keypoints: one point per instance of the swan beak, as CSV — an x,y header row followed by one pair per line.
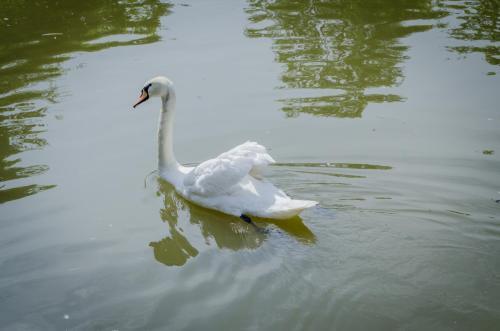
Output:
x,y
143,97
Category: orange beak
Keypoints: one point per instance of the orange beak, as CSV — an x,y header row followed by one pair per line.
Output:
x,y
143,97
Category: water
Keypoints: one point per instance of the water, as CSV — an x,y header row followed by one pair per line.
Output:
x,y
386,113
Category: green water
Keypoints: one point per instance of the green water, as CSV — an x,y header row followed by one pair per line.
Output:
x,y
386,112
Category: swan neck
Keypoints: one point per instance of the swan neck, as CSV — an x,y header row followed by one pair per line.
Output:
x,y
166,157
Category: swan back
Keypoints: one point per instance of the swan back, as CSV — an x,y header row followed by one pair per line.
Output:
x,y
219,175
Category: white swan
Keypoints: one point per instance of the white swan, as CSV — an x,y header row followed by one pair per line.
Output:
x,y
232,182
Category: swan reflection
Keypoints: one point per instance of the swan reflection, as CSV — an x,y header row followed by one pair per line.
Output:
x,y
193,229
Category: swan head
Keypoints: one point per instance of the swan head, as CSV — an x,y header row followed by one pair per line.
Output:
x,y
156,87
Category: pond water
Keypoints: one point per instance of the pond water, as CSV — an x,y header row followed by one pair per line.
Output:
x,y
386,113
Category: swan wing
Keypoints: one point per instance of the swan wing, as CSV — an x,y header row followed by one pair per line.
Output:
x,y
219,175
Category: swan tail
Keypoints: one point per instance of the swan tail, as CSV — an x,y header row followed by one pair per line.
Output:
x,y
292,208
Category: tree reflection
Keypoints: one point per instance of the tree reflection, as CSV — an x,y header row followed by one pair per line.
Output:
x,y
185,219
478,21
344,49
35,38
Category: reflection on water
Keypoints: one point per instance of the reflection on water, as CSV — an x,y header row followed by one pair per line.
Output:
x,y
334,165
415,215
341,49
478,26
35,38
216,229
310,168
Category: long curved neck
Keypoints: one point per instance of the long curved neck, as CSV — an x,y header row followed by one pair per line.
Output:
x,y
166,157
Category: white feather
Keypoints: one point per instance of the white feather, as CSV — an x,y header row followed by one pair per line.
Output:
x,y
233,183
220,175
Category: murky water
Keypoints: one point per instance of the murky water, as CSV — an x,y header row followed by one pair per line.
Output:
x,y
386,113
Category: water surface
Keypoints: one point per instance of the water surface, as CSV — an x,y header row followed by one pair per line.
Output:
x,y
386,113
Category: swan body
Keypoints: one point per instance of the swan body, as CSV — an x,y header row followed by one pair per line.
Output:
x,y
232,183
